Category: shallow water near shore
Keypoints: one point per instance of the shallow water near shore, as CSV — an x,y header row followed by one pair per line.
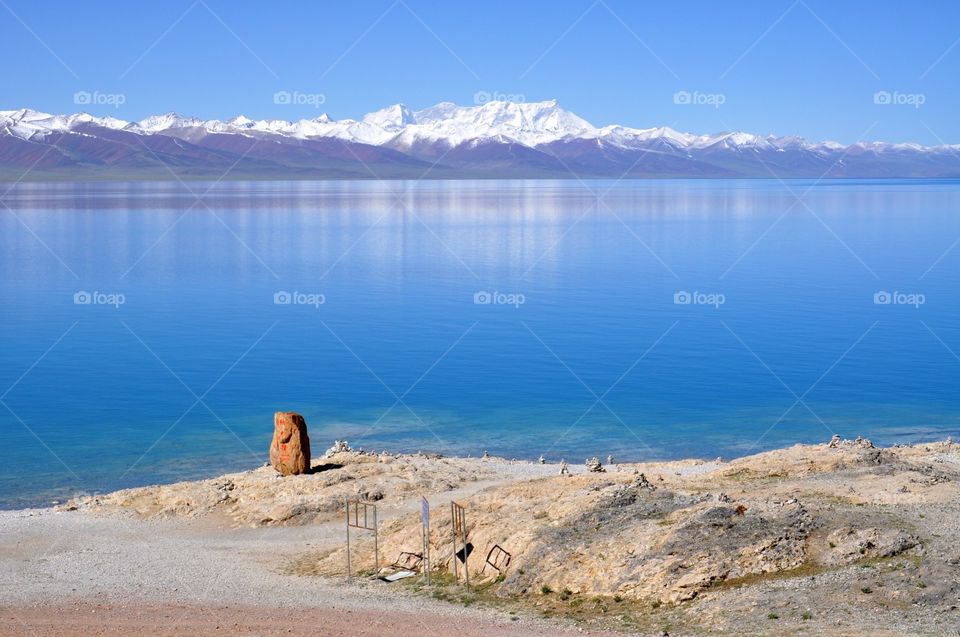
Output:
x,y
516,317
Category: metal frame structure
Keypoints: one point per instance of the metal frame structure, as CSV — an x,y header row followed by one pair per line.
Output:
x,y
501,559
364,524
458,516
408,561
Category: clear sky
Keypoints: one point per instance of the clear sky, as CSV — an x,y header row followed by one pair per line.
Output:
x,y
808,67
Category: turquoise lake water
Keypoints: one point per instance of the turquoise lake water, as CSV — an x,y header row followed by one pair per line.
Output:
x,y
148,336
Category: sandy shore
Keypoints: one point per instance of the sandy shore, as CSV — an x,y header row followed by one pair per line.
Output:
x,y
826,539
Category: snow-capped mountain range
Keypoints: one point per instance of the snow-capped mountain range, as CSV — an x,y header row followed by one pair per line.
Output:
x,y
496,139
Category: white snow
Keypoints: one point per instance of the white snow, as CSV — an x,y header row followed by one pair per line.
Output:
x,y
446,124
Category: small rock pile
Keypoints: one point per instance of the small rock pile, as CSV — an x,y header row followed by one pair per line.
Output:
x,y
860,442
593,464
641,482
339,446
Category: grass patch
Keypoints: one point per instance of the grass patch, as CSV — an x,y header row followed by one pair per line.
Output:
x,y
607,612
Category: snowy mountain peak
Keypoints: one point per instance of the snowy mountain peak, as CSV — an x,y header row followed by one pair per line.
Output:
x,y
22,113
107,122
393,117
529,123
29,124
493,138
157,123
442,126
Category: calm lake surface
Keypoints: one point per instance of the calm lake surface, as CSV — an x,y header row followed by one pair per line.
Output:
x,y
511,316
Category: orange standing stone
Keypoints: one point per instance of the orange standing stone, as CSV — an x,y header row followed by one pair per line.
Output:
x,y
290,449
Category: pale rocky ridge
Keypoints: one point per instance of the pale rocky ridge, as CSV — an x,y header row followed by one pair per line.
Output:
x,y
835,531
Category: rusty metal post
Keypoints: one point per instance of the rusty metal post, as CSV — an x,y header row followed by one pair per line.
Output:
x,y
466,556
458,517
347,503
376,542
453,522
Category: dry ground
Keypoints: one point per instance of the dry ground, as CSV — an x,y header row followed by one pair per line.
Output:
x,y
819,539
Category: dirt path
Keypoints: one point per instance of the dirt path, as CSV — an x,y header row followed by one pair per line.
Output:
x,y
121,576
91,619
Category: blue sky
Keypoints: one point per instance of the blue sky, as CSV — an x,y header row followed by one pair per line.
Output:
x,y
778,66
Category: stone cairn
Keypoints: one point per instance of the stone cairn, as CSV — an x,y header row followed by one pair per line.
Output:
x,y
339,446
290,448
593,464
859,442
641,482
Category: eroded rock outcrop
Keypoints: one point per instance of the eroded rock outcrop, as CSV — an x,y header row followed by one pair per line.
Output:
x,y
848,544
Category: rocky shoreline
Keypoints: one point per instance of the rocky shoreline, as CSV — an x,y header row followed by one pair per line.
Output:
x,y
838,538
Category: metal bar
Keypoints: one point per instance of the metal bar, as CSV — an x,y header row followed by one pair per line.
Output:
x,y
376,543
426,548
453,516
347,502
466,557
426,554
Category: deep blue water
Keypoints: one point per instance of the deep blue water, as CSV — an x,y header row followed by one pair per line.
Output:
x,y
182,379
